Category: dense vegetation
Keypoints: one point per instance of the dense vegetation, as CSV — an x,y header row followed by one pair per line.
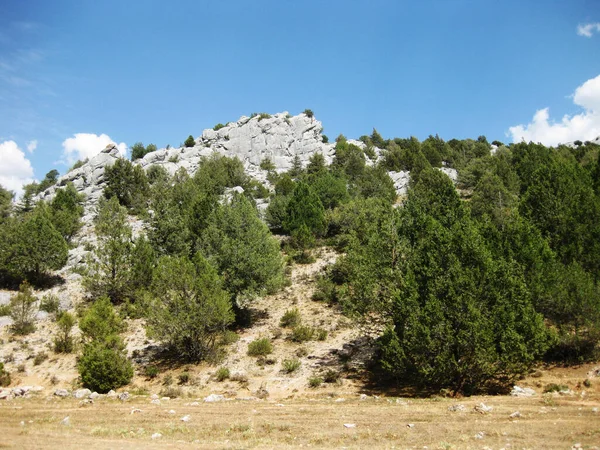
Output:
x,y
467,285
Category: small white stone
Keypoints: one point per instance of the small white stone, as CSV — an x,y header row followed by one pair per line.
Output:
x,y
156,436
350,425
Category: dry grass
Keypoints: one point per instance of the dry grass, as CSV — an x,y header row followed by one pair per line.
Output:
x,y
316,422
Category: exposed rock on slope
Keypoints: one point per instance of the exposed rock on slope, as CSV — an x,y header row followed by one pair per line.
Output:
x,y
280,138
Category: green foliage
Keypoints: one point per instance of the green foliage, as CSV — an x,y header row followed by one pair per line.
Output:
x,y
34,246
460,318
219,172
151,372
4,376
39,358
260,347
305,208
50,303
267,164
188,309
308,113
63,343
302,333
4,310
6,198
49,180
222,374
291,365
66,210
138,151
315,382
102,367
23,310
110,267
290,318
218,126
100,322
128,183
190,141
262,116
243,250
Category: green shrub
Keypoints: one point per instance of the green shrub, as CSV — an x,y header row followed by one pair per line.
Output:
x,y
302,333
190,141
222,374
315,382
50,304
218,126
291,365
22,310
104,367
262,116
308,113
321,334
331,376
63,343
184,378
4,376
553,387
260,347
291,318
4,310
229,337
151,372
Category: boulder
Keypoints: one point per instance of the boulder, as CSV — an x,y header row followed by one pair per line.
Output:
x,y
61,393
82,393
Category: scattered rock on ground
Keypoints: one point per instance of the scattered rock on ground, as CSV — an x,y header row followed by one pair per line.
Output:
x,y
483,408
82,393
457,407
61,393
518,391
214,398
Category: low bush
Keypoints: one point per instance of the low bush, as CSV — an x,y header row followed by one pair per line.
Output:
x,y
151,372
184,378
103,367
222,374
553,387
260,347
63,343
315,382
291,318
331,376
4,310
291,365
50,304
171,392
302,333
321,334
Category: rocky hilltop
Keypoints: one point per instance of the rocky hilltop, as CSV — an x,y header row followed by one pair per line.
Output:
x,y
280,138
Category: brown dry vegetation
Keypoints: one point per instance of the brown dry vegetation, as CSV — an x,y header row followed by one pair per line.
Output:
x,y
547,421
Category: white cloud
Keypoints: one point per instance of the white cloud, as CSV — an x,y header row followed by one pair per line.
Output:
x,y
88,145
583,126
32,145
15,168
588,29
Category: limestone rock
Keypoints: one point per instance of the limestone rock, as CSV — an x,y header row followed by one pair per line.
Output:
x,y
82,393
61,393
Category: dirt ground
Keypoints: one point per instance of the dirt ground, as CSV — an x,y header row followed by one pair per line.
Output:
x,y
323,420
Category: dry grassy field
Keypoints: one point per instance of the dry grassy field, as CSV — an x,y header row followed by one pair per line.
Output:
x,y
317,421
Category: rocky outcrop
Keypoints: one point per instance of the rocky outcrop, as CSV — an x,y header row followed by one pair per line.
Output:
x,y
280,137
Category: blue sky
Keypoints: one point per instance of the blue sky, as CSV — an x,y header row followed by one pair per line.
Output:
x,y
156,71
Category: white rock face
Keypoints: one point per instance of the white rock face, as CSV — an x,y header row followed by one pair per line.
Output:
x,y
280,138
